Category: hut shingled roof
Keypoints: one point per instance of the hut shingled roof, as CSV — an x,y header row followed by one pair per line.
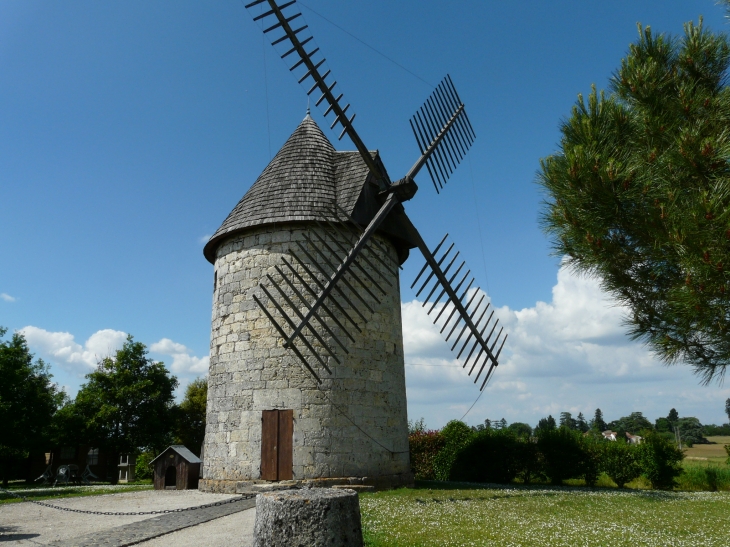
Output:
x,y
303,182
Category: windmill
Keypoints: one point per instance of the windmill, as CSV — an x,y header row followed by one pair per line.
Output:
x,y
328,293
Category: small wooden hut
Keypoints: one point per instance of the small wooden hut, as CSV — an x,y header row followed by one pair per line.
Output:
x,y
176,468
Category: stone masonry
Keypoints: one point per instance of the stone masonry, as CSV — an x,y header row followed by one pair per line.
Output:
x,y
354,425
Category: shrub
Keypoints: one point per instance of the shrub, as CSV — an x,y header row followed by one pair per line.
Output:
x,y
530,462
424,446
592,449
704,477
620,461
563,454
727,449
142,469
489,457
661,461
456,435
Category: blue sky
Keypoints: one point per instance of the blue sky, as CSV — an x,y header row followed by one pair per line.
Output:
x,y
129,130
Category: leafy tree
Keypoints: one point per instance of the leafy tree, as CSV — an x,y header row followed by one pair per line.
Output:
x,y
663,425
639,194
520,429
28,400
727,408
501,424
127,403
690,430
190,419
597,422
634,423
712,430
545,424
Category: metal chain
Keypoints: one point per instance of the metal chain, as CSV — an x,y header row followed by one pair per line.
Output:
x,y
120,513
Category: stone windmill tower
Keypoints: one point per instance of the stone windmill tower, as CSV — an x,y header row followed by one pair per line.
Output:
x,y
264,409
306,378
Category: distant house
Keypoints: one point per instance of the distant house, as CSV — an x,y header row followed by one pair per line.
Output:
x,y
176,468
633,439
609,435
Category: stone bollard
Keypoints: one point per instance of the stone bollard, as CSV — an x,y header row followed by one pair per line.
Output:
x,y
310,517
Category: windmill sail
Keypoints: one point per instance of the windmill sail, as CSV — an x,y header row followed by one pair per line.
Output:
x,y
442,148
465,316
444,135
309,65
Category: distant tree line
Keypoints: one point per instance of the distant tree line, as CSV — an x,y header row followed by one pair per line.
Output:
x,y
554,454
687,429
126,405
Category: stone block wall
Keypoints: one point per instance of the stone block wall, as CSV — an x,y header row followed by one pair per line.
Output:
x,y
354,424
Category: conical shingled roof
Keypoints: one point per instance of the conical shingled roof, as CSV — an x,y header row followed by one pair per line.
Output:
x,y
302,183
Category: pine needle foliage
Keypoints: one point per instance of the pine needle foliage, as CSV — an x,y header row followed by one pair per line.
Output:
x,y
638,194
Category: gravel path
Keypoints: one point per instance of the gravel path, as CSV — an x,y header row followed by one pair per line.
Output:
x,y
31,524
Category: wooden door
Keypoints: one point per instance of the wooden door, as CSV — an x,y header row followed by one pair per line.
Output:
x,y
277,430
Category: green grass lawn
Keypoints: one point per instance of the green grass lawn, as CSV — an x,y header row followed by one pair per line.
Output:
x,y
37,492
451,514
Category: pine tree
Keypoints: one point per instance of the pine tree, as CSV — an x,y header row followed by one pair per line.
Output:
x,y
727,408
581,423
639,194
598,423
673,417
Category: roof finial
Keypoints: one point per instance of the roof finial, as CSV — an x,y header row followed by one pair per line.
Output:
x,y
307,106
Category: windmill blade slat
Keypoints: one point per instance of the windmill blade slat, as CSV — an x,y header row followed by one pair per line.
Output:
x,y
283,21
334,287
291,325
441,122
333,300
295,309
309,289
493,366
283,335
365,258
436,285
352,274
486,360
359,267
456,290
443,291
473,332
453,311
433,273
339,271
356,229
465,324
475,328
301,298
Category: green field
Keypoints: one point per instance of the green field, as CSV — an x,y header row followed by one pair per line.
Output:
x,y
452,514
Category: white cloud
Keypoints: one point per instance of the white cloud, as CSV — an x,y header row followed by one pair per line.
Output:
x,y
571,354
7,297
204,239
182,360
62,349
